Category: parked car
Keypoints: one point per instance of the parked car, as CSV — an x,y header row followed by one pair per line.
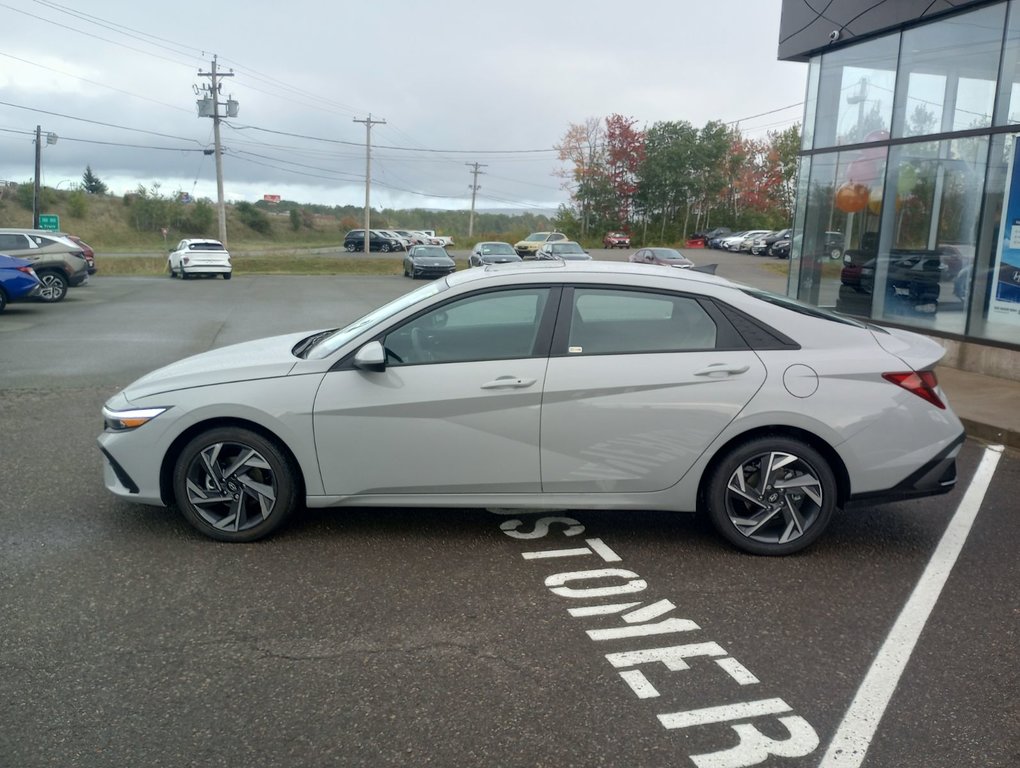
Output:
x,y
414,238
86,251
354,241
566,250
780,249
428,261
57,261
405,242
762,244
712,234
731,241
18,280
652,389
666,257
491,252
192,257
528,247
616,240
744,245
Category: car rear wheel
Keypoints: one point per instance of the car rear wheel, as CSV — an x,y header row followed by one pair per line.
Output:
x,y
54,286
385,247
227,275
835,253
772,496
234,485
351,247
3,300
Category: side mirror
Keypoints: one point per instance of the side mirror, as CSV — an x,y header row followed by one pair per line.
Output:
x,y
371,357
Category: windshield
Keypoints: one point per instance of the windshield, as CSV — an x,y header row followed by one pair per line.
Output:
x,y
428,250
498,248
667,253
566,248
328,345
538,237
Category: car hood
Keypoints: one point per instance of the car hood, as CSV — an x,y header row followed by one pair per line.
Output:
x,y
260,359
917,351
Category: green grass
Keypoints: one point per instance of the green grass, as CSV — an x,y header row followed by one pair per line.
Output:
x,y
276,264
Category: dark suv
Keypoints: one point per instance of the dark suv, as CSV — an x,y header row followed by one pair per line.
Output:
x,y
57,261
354,241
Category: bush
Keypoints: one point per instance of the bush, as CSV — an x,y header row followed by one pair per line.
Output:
x,y
253,218
78,204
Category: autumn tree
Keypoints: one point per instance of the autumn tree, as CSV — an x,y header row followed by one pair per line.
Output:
x,y
625,151
583,148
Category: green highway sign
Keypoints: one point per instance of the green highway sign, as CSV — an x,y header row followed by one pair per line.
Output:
x,y
49,221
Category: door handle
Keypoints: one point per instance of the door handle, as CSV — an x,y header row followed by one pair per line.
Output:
x,y
508,382
718,370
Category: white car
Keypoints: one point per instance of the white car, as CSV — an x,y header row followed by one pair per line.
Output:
x,y
597,385
193,257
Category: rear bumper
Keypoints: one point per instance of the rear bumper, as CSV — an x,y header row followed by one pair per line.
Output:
x,y
205,269
935,477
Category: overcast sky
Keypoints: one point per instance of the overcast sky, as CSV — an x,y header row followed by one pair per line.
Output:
x,y
456,81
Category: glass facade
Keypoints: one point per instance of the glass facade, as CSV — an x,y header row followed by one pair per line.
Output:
x,y
906,167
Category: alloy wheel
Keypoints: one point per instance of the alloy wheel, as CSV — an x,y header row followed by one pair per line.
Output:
x,y
774,497
231,486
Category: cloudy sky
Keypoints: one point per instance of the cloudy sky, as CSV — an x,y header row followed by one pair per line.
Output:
x,y
457,82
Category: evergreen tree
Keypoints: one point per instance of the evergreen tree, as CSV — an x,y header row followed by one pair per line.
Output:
x,y
92,183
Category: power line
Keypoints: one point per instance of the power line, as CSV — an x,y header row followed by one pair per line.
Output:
x,y
97,122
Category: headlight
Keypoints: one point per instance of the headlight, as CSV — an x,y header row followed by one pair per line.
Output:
x,y
122,421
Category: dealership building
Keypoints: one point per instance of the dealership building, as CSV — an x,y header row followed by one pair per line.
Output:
x,y
908,195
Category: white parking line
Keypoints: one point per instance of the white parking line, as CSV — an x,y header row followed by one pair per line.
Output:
x,y
853,737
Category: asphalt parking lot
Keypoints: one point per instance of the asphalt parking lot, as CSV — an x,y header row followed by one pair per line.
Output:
x,y
400,637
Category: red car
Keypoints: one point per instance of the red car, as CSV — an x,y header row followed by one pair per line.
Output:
x,y
86,251
616,240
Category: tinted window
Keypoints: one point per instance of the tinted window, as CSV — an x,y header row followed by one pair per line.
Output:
x,y
490,326
613,322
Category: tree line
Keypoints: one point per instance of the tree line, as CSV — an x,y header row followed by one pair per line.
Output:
x,y
667,181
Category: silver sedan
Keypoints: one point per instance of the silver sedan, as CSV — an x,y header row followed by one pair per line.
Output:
x,y
555,384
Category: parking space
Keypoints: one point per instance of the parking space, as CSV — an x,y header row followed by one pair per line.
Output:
x,y
453,638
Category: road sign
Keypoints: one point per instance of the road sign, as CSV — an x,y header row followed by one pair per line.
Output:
x,y
49,221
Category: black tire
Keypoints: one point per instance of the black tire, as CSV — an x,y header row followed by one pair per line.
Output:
x,y
54,286
351,247
169,270
227,275
3,300
753,510
241,499
835,253
385,247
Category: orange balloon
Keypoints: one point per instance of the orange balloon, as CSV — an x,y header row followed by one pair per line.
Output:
x,y
852,198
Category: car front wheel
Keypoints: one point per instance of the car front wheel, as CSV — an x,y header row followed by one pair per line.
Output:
x,y
771,496
234,485
351,247
54,286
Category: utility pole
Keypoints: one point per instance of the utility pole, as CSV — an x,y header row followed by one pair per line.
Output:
x,y
203,106
369,122
38,171
474,188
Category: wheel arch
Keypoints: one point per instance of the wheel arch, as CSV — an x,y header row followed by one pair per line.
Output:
x,y
836,464
166,470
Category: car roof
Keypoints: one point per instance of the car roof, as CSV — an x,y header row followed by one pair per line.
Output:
x,y
599,271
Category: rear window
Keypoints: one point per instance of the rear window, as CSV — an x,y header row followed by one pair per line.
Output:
x,y
804,309
205,247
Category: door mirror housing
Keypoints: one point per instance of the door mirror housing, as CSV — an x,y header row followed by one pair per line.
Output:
x,y
371,357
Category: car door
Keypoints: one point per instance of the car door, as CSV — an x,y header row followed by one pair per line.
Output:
x,y
457,408
639,383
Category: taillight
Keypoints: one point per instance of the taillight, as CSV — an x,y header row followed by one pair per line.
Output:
x,y
27,271
921,383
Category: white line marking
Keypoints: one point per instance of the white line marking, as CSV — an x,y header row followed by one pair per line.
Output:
x,y
853,737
